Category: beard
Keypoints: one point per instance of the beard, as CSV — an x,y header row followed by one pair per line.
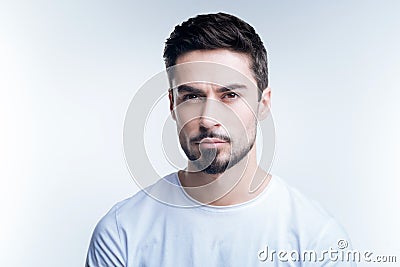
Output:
x,y
214,160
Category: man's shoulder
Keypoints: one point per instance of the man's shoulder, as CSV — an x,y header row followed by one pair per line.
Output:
x,y
299,212
305,216
297,202
108,243
143,199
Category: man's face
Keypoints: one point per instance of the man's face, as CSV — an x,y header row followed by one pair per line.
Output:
x,y
215,110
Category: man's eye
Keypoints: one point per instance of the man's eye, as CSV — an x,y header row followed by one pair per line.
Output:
x,y
231,95
191,97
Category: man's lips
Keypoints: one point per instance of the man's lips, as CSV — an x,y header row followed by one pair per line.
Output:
x,y
211,141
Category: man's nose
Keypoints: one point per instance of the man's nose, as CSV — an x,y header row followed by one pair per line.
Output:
x,y
210,114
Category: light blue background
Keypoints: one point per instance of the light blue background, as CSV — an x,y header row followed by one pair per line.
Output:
x,y
68,70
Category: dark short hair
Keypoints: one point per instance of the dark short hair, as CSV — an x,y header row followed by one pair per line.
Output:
x,y
216,31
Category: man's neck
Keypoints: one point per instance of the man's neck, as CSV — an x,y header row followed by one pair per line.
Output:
x,y
240,183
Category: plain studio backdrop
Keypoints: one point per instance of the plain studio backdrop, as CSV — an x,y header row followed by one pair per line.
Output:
x,y
69,69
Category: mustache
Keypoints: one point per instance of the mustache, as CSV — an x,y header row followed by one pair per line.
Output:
x,y
201,136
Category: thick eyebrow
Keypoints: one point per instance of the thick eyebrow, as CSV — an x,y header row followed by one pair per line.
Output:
x,y
231,87
190,89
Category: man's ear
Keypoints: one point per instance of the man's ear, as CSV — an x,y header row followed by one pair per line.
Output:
x,y
171,103
264,104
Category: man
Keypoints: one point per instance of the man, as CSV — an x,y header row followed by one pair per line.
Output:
x,y
230,211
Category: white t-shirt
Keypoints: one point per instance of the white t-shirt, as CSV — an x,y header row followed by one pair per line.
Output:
x,y
280,227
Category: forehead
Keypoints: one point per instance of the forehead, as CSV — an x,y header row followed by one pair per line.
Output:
x,y
219,66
